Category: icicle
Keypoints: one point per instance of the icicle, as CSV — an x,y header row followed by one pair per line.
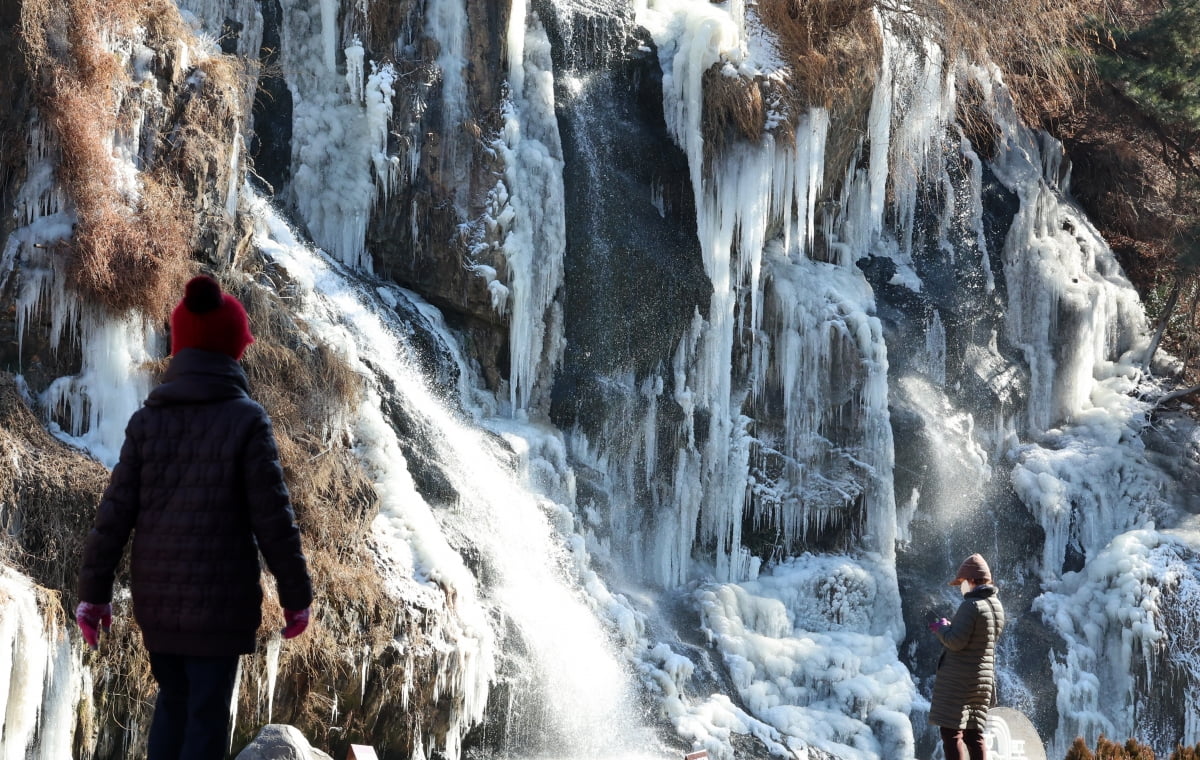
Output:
x,y
235,175
355,71
879,124
272,660
233,702
976,195
329,34
340,166
362,679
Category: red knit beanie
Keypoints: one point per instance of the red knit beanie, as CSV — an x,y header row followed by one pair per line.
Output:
x,y
209,320
973,568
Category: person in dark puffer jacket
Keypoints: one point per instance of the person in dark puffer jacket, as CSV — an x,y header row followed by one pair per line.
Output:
x,y
965,685
200,487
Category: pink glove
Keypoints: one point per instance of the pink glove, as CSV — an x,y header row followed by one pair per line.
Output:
x,y
937,625
90,618
297,621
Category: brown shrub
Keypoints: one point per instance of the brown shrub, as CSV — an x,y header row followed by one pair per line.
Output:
x,y
1182,752
1079,750
1106,749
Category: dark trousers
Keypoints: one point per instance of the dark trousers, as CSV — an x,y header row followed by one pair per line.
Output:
x,y
191,714
954,739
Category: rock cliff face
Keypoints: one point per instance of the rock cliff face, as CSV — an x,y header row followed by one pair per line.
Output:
x,y
428,236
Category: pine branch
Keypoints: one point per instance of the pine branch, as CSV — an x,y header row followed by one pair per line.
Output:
x,y
1161,131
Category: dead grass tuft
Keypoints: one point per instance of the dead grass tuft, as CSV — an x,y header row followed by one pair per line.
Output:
x,y
973,117
48,490
733,107
831,50
832,47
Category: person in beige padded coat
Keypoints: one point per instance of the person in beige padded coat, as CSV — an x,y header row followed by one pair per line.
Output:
x,y
965,685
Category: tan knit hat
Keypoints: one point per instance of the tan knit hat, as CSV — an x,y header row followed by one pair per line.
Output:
x,y
973,568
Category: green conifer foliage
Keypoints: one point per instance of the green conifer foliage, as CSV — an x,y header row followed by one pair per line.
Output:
x,y
1158,66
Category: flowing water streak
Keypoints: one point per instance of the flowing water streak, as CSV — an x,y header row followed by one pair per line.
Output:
x,y
581,686
405,526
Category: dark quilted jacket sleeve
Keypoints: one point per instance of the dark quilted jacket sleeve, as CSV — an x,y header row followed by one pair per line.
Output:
x,y
115,519
272,518
958,634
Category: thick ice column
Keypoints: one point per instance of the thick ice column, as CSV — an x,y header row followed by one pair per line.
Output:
x,y
529,210
340,166
1071,310
41,675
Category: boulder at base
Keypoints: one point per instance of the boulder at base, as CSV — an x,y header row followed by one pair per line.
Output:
x,y
1011,736
277,741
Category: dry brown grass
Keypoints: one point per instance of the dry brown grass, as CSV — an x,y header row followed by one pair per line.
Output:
x,y
51,492
1036,44
832,47
132,245
974,117
48,490
832,50
733,108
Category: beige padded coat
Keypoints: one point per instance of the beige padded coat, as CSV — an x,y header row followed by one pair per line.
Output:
x,y
965,685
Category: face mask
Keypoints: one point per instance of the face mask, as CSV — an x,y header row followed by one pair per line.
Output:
x,y
965,587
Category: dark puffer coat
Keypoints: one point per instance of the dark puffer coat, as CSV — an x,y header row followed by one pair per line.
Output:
x,y
966,676
200,486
